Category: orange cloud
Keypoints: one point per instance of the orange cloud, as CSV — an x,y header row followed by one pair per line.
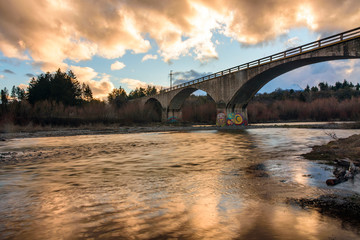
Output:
x,y
99,83
117,65
149,56
48,32
134,83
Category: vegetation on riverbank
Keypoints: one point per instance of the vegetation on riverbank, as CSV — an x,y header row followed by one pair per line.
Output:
x,y
323,103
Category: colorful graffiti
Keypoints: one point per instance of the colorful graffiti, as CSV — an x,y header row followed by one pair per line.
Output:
x,y
232,119
173,119
221,120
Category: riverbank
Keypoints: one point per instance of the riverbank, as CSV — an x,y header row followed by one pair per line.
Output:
x,y
48,131
335,151
346,208
339,153
13,131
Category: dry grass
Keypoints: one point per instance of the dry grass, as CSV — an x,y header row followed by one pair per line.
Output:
x,y
326,109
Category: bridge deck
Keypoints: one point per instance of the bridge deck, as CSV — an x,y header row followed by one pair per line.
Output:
x,y
325,42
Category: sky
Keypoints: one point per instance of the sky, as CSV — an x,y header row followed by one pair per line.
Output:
x,y
135,43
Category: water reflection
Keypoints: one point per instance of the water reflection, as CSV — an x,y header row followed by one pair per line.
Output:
x,y
195,185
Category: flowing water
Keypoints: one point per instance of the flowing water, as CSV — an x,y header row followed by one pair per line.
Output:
x,y
179,185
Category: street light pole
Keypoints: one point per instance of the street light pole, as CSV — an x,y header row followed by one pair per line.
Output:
x,y
171,75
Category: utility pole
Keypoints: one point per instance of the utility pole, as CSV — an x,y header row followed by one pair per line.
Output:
x,y
171,76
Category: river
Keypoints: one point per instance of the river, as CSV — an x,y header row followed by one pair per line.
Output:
x,y
168,185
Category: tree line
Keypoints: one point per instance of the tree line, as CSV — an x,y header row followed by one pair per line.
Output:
x,y
324,102
118,96
340,91
60,99
63,87
59,87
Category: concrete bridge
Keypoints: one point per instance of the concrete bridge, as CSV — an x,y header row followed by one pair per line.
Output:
x,y
233,88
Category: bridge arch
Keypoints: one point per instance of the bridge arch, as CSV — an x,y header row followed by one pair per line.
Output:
x,y
245,93
178,100
201,109
153,110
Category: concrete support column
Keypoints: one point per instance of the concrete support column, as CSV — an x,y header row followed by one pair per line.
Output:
x,y
231,116
220,107
164,114
174,115
242,111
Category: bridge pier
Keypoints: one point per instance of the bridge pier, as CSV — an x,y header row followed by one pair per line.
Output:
x,y
164,114
231,117
173,115
243,112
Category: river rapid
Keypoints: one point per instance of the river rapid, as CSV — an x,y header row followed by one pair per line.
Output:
x,y
179,185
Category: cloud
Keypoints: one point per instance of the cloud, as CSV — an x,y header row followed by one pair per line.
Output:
x,y
117,65
133,83
292,42
23,86
149,56
52,31
14,62
29,75
8,71
99,83
181,77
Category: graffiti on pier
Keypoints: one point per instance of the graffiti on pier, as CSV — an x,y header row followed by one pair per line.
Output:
x,y
221,120
173,119
232,119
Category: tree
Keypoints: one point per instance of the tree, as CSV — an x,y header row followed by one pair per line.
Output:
x,y
17,94
4,96
20,93
13,93
39,88
323,86
338,85
137,93
59,86
86,92
314,89
150,90
117,97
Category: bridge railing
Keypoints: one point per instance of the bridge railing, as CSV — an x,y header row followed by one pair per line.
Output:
x,y
344,36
